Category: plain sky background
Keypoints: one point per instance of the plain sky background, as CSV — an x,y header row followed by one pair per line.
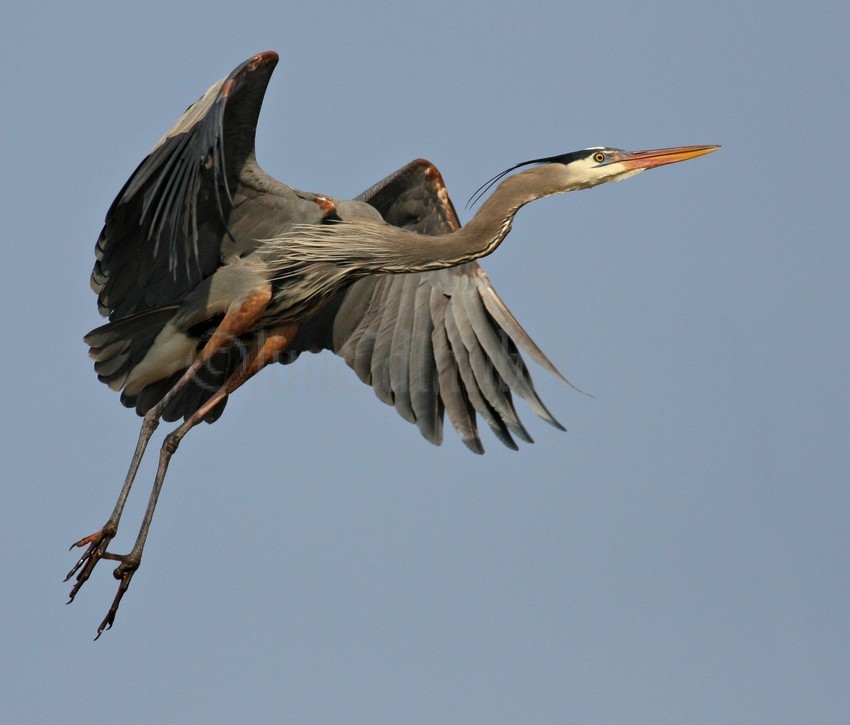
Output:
x,y
680,555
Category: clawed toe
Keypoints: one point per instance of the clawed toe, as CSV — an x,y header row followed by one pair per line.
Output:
x,y
97,543
123,572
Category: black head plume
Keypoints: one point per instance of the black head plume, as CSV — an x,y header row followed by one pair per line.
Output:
x,y
559,159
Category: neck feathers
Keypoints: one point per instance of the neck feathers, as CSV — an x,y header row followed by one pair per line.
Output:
x,y
354,249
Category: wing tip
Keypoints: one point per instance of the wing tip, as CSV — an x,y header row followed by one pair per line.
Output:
x,y
474,445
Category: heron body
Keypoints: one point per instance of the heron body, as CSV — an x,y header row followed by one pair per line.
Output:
x,y
209,269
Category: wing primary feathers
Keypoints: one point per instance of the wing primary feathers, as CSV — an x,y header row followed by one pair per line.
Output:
x,y
456,402
178,220
382,352
490,382
220,168
470,381
163,196
361,346
400,348
169,227
222,161
423,384
502,352
500,312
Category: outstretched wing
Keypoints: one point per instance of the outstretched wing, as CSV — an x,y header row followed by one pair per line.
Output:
x,y
180,212
434,342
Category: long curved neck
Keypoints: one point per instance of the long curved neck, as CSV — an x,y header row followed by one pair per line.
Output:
x,y
484,232
356,248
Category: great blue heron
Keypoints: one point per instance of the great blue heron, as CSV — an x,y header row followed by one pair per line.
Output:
x,y
209,269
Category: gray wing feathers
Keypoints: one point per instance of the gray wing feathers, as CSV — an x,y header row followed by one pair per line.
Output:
x,y
453,393
166,229
427,344
431,343
504,318
485,368
425,399
498,336
479,402
381,353
401,346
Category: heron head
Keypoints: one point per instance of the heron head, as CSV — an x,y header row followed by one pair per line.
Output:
x,y
597,165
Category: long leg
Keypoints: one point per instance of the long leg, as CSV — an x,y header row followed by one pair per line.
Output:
x,y
235,322
268,346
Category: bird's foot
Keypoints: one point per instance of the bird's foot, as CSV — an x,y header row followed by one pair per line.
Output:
x,y
97,543
123,572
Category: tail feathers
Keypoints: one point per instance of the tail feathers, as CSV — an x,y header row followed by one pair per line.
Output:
x,y
117,347
120,346
208,380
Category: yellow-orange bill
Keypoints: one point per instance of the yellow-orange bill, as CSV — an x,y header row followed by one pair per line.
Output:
x,y
660,157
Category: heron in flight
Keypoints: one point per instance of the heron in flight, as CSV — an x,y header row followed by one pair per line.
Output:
x,y
209,269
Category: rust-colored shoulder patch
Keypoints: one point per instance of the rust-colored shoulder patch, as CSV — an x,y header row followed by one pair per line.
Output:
x,y
326,204
438,186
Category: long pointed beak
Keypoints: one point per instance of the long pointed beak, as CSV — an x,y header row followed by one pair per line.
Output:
x,y
660,157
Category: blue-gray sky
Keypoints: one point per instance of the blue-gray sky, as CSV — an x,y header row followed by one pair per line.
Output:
x,y
679,555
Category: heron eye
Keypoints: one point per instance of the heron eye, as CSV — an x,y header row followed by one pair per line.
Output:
x,y
599,157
